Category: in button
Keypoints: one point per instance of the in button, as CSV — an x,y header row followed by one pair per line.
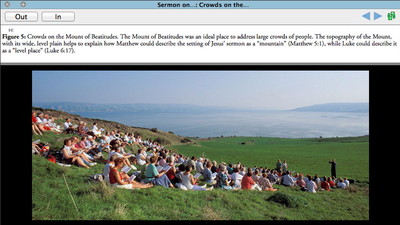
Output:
x,y
58,16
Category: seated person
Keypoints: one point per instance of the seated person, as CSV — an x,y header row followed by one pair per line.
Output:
x,y
287,179
325,185
331,182
107,168
222,179
121,180
81,128
68,127
207,175
155,177
96,131
248,182
68,155
255,176
301,182
190,182
311,186
265,184
140,157
341,184
117,151
237,178
346,181
171,172
179,177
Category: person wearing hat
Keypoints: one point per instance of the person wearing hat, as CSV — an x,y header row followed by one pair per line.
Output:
x,y
222,179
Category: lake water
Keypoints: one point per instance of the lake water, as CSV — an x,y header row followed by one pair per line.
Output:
x,y
286,124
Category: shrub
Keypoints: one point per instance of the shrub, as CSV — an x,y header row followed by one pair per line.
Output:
x,y
154,130
288,200
162,141
185,140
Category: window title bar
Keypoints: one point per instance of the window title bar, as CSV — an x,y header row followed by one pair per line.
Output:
x,y
200,4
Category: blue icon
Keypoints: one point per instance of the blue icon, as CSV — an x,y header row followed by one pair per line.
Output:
x,y
377,16
367,16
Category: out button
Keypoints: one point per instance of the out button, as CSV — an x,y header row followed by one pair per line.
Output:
x,y
21,16
58,16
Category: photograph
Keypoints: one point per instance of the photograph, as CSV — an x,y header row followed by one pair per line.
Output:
x,y
200,145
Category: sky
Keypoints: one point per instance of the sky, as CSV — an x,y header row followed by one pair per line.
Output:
x,y
240,89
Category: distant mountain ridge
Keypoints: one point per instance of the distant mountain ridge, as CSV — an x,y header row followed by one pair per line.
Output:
x,y
76,107
359,107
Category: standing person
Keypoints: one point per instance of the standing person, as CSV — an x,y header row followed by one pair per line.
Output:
x,y
279,165
333,168
284,166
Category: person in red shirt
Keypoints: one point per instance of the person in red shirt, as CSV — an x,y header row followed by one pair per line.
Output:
x,y
172,171
248,182
331,182
121,180
325,185
35,128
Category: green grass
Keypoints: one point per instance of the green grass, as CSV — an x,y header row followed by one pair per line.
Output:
x,y
308,156
51,199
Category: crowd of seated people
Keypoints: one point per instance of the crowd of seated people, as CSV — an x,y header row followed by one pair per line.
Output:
x,y
155,165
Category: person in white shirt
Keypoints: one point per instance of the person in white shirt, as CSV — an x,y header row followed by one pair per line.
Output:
x,y
199,165
287,179
310,185
341,184
140,158
117,151
189,181
237,178
107,167
346,181
96,131
68,127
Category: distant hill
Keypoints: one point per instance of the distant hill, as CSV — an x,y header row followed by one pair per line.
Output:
x,y
336,107
75,107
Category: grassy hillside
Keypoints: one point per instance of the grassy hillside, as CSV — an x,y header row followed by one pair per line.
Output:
x,y
95,201
51,199
164,138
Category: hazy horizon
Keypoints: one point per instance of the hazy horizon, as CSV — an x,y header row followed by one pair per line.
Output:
x,y
142,103
262,90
